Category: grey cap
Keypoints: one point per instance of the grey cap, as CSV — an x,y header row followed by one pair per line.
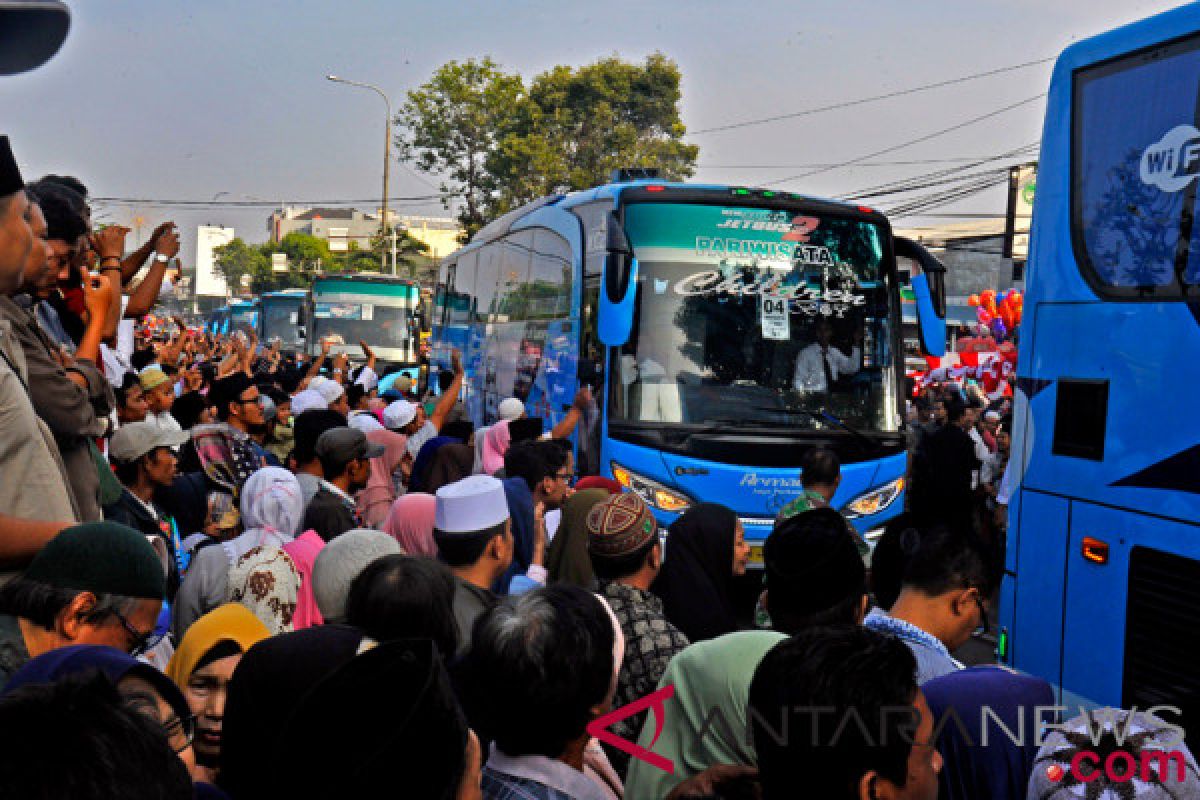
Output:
x,y
134,440
341,445
340,562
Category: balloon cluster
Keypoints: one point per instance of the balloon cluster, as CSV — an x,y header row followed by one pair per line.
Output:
x,y
999,313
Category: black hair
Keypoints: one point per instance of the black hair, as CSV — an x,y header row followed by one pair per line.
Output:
x,y
141,358
819,467
526,429
612,569
355,393
63,208
464,549
309,427
41,604
402,597
222,649
955,408
69,181
533,462
888,557
857,678
75,738
814,573
121,393
460,429
445,379
127,471
938,559
187,409
541,660
333,468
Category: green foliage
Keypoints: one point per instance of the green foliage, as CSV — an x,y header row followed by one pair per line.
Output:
x,y
451,126
237,260
496,143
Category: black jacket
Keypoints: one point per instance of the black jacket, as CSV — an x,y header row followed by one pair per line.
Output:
x,y
128,510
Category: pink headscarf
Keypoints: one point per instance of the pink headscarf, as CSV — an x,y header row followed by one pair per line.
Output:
x,y
495,445
410,522
375,500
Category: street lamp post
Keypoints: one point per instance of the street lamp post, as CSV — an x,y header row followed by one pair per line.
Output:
x,y
387,156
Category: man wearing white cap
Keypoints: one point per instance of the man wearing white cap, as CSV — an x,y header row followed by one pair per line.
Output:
x,y
474,538
333,393
308,400
409,418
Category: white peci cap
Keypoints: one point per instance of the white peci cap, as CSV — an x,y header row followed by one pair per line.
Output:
x,y
365,421
511,408
399,414
308,400
473,504
328,389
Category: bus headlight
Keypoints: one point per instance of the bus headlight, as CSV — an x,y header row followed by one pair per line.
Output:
x,y
874,501
653,492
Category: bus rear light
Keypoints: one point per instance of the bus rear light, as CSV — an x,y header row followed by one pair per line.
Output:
x,y
1095,550
655,188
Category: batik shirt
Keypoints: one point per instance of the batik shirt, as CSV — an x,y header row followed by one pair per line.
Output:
x,y
650,644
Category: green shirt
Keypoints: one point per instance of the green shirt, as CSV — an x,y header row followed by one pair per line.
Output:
x,y
807,501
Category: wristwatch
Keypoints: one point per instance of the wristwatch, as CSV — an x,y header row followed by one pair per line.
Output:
x,y
160,258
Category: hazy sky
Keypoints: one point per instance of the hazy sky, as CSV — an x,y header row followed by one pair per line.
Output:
x,y
163,99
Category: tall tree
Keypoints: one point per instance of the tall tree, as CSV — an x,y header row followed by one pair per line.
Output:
x,y
451,126
576,126
238,261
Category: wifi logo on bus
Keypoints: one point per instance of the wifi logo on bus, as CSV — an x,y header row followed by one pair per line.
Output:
x,y
1173,161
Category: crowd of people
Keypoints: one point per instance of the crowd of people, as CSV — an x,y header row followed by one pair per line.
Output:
x,y
231,572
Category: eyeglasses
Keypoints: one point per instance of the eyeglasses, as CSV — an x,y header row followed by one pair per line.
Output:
x,y
252,401
142,642
983,615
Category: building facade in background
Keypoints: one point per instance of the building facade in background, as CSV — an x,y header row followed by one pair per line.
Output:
x,y
209,284
341,226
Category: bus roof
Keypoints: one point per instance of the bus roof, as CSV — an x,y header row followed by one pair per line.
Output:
x,y
361,277
287,293
503,224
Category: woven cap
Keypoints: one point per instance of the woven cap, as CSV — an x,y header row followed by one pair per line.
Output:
x,y
100,557
620,525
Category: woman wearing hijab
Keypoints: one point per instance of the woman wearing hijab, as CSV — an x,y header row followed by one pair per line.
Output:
x,y
705,550
567,559
374,501
410,523
142,688
266,581
202,668
495,445
1000,771
387,717
452,463
272,510
419,480
270,680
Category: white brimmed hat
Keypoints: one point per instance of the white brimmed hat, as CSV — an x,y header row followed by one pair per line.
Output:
x,y
473,504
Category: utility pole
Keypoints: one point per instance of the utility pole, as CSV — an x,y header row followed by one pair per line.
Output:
x,y
387,157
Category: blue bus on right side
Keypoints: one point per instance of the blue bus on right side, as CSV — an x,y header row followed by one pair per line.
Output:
x,y
1101,594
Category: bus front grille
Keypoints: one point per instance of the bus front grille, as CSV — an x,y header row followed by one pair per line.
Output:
x,y
1162,619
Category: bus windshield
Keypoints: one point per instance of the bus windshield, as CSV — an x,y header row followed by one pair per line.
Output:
x,y
348,320
281,318
755,317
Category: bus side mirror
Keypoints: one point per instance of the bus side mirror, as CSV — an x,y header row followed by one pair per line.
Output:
x,y
929,289
620,286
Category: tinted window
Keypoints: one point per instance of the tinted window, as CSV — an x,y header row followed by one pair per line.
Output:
x,y
516,249
487,272
550,272
1136,159
594,217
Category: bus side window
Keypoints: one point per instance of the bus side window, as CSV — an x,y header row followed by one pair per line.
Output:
x,y
550,276
512,294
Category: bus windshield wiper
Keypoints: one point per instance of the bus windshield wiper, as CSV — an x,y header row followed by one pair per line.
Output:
x,y
821,415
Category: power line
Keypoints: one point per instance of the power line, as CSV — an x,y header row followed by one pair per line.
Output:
x,y
930,178
910,163
862,100
910,142
250,203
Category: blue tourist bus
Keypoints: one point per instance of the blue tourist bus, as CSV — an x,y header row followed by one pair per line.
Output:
x,y
217,321
693,312
243,316
378,309
282,317
1102,587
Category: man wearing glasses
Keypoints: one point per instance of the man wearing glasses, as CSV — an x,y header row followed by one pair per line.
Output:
x,y
240,406
947,582
97,583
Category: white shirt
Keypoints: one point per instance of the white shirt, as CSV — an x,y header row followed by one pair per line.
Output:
x,y
810,375
981,452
